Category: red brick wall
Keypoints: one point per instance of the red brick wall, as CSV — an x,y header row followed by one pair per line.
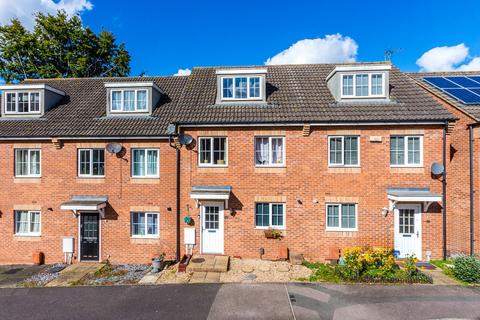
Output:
x,y
307,179
59,182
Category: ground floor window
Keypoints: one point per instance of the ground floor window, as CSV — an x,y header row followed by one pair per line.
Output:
x,y
27,223
341,216
145,224
270,215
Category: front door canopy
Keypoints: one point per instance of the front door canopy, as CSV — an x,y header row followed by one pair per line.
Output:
x,y
86,203
412,195
221,193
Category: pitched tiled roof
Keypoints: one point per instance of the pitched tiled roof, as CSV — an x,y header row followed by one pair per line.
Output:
x,y
472,110
299,93
83,111
295,94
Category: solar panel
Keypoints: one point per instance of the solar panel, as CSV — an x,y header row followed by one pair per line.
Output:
x,y
464,89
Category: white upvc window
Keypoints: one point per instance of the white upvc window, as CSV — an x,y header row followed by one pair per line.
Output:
x,y
241,88
269,151
213,151
27,223
145,163
91,162
27,162
145,224
406,151
269,215
129,100
343,151
22,102
341,217
362,85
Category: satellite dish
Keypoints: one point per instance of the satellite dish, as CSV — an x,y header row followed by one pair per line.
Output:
x,y
171,129
437,169
114,148
185,139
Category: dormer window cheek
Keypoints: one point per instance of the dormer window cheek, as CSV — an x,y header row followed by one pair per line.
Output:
x,y
22,102
241,88
128,100
363,85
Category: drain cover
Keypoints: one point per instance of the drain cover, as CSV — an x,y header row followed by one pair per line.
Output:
x,y
250,276
198,260
13,271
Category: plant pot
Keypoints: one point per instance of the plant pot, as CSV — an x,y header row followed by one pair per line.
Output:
x,y
157,264
220,161
38,258
272,234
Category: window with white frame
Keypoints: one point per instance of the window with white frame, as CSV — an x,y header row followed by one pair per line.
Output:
x,y
22,102
341,216
27,162
91,162
145,224
406,150
212,151
270,215
241,88
129,100
145,163
343,151
363,85
269,151
27,223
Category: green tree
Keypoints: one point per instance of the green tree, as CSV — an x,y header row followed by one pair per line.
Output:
x,y
58,47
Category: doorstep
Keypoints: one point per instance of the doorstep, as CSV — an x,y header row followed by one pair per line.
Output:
x,y
74,273
208,263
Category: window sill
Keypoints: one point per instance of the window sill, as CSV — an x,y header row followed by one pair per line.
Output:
x,y
90,179
27,237
138,180
344,169
27,179
270,228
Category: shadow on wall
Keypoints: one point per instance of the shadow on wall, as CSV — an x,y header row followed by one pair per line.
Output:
x,y
234,204
110,213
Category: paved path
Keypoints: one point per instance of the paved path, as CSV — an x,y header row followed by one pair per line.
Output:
x,y
242,301
74,273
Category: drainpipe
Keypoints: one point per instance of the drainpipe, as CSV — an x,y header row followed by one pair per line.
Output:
x,y
178,204
472,201
445,191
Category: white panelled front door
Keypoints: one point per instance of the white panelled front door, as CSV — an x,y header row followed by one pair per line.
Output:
x,y
212,227
408,231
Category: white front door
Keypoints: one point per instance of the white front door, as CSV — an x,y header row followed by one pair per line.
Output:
x,y
408,231
212,227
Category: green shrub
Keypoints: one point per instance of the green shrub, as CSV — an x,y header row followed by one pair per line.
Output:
x,y
410,266
467,269
371,261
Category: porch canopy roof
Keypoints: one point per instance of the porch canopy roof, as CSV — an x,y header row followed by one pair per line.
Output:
x,y
423,195
211,192
86,203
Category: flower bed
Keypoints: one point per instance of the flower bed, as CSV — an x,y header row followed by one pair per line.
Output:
x,y
116,274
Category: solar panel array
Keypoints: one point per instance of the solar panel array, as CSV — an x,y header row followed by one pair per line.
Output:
x,y
465,89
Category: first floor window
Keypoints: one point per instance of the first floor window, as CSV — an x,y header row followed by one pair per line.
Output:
x,y
212,151
145,224
241,88
145,163
128,100
270,215
406,150
343,150
91,162
27,162
341,216
269,151
22,102
27,222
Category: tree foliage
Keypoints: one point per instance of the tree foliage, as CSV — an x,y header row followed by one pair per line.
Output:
x,y
58,47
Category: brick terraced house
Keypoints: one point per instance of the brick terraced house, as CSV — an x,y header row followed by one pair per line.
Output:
x,y
325,155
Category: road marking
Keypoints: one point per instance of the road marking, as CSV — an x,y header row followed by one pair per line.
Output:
x,y
290,302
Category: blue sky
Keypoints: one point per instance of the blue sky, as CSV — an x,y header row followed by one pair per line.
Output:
x,y
164,36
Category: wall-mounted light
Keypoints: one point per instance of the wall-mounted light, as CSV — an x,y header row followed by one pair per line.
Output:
x,y
385,212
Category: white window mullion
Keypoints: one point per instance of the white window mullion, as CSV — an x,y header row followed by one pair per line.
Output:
x,y
342,148
270,150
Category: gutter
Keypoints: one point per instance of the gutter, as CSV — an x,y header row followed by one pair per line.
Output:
x,y
444,182
86,138
472,201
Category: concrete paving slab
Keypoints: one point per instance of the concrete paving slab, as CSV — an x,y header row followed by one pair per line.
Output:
x,y
208,263
150,278
74,273
439,278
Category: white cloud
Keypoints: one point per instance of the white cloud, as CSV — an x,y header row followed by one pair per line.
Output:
x,y
183,72
24,10
333,48
448,59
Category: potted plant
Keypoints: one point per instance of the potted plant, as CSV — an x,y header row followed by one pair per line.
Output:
x,y
158,263
220,161
273,234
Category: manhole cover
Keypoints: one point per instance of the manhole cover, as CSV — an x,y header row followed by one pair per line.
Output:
x,y
198,260
13,271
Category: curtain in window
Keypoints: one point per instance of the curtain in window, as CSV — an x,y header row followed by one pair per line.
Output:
x,y
348,216
34,162
332,216
142,100
35,222
351,150
129,100
240,88
21,222
413,150
138,162
262,214
116,100
21,162
261,150
152,222
277,150
397,150
152,161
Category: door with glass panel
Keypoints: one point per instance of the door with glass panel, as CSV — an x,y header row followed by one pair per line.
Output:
x,y
89,236
408,231
212,228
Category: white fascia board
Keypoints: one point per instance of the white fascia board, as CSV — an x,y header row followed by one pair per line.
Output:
x,y
415,199
209,196
41,86
132,85
360,67
241,71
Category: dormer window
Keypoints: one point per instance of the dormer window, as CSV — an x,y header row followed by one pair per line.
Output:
x,y
22,102
129,100
362,85
243,85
